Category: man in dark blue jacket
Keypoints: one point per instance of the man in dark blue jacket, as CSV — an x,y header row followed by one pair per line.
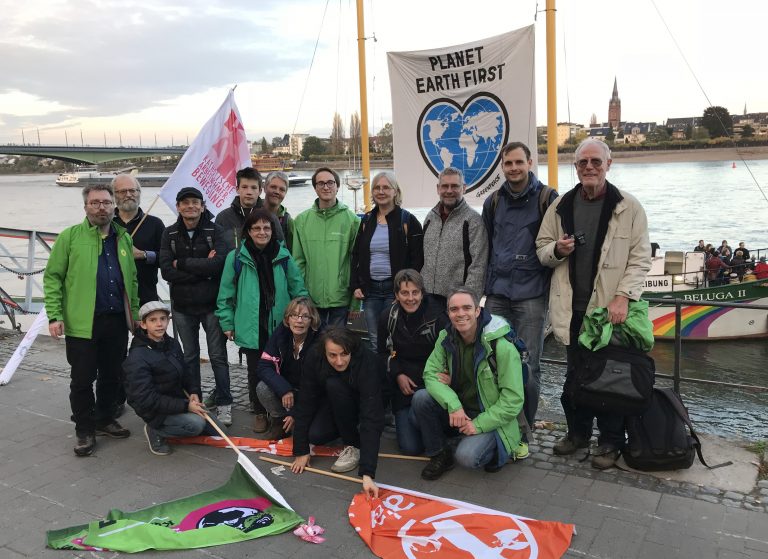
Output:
x,y
516,284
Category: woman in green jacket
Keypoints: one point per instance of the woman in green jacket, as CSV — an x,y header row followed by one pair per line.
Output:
x,y
259,280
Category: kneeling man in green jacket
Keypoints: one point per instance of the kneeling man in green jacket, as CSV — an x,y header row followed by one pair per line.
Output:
x,y
463,392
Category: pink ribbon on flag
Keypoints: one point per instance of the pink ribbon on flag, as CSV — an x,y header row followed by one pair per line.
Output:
x,y
310,532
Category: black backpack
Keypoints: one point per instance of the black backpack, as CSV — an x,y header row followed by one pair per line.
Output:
x,y
663,438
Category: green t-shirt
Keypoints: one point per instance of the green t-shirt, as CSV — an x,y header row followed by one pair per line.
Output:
x,y
466,385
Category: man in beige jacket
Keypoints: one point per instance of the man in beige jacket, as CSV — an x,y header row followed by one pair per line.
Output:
x,y
596,239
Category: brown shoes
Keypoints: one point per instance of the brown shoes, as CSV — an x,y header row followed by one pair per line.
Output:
x,y
260,423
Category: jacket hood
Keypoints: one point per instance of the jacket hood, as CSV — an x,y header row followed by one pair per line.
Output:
x,y
245,256
238,207
141,339
496,327
329,212
533,186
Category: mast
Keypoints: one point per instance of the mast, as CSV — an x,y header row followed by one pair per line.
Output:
x,y
365,156
551,97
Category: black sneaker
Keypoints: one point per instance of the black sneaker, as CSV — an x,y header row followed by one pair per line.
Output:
x,y
113,429
438,465
157,444
568,445
86,444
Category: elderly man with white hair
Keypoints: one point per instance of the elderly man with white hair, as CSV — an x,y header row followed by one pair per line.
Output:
x,y
596,239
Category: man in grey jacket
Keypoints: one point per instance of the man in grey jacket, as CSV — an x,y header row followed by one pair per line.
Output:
x,y
455,240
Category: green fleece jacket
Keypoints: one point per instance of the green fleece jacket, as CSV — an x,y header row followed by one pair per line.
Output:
x,y
243,316
501,398
322,247
69,283
636,331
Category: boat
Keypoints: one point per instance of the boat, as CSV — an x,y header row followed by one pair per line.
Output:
x,y
299,180
267,163
678,275
84,178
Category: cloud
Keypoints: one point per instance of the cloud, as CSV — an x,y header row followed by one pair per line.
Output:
x,y
108,58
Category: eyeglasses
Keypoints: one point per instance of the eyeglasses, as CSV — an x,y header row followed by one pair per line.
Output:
x,y
99,204
382,188
299,316
131,191
596,163
325,184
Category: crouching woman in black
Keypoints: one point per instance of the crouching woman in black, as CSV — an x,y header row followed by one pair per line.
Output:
x,y
280,368
341,370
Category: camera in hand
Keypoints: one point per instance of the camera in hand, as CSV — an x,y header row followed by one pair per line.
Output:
x,y
580,238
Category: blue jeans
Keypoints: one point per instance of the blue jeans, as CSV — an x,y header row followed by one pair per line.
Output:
x,y
378,297
528,318
184,425
408,433
188,328
473,451
333,316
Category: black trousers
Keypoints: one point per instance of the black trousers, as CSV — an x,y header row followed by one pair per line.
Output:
x,y
97,359
252,357
345,409
580,420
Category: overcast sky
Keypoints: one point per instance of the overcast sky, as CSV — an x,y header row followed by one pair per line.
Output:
x,y
146,67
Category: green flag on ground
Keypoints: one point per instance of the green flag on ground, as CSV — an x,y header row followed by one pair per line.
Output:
x,y
238,510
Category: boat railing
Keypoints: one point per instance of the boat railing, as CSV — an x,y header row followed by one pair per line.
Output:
x,y
23,257
676,376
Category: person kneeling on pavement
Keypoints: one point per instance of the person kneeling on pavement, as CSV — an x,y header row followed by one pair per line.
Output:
x,y
342,371
465,397
281,364
158,384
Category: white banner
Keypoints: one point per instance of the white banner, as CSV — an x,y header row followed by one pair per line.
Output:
x,y
212,161
21,351
458,106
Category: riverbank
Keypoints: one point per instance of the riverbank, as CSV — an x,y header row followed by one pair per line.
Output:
x,y
678,156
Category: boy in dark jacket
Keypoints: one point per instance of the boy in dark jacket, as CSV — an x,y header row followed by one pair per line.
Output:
x,y
157,382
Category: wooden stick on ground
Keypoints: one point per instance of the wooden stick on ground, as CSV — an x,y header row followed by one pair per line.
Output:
x,y
404,457
313,470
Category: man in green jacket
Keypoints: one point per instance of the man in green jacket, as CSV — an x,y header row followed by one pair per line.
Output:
x,y
91,296
464,391
323,238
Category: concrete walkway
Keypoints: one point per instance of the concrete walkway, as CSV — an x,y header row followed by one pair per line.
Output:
x,y
618,514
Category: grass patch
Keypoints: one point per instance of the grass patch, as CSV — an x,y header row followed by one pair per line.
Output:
x,y
759,448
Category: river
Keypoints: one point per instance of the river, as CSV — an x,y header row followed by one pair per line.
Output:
x,y
684,202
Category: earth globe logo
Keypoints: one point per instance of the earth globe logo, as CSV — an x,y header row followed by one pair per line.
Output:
x,y
468,137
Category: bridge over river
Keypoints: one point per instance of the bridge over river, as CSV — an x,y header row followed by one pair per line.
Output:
x,y
90,154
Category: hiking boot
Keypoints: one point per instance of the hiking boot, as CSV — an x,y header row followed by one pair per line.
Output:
x,y
568,445
438,465
157,444
604,457
210,401
260,423
113,429
275,431
521,452
86,444
224,414
347,460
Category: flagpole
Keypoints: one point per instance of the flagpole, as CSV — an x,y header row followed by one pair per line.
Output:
x,y
313,470
144,217
365,156
552,168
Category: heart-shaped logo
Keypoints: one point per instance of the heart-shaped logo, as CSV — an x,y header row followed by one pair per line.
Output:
x,y
468,137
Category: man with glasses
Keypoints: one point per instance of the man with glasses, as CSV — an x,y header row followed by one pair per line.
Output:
x,y
516,283
596,239
91,296
455,240
146,237
192,253
323,237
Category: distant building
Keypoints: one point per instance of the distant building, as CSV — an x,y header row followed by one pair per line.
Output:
x,y
680,125
758,122
634,132
297,144
567,130
614,107
599,132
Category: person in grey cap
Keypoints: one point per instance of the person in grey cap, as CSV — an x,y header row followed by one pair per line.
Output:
x,y
192,253
159,385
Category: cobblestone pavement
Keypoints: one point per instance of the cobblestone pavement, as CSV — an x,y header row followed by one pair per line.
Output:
x,y
618,514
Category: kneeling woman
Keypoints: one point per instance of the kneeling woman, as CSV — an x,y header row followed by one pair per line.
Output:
x,y
259,280
342,371
281,364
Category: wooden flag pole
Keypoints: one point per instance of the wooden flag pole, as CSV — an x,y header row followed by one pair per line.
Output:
x,y
149,209
313,470
404,457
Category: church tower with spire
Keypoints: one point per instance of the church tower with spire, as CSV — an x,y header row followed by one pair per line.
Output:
x,y
614,107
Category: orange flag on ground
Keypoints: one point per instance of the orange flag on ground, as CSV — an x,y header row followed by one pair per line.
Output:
x,y
404,524
283,447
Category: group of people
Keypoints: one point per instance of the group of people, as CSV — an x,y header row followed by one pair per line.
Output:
x,y
724,265
282,288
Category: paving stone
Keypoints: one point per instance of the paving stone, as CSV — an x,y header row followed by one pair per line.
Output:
x,y
710,490
708,498
544,465
763,484
733,496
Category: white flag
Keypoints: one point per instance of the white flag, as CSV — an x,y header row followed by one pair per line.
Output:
x,y
457,107
212,161
21,351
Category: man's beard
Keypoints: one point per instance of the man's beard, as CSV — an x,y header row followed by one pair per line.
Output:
x,y
128,205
